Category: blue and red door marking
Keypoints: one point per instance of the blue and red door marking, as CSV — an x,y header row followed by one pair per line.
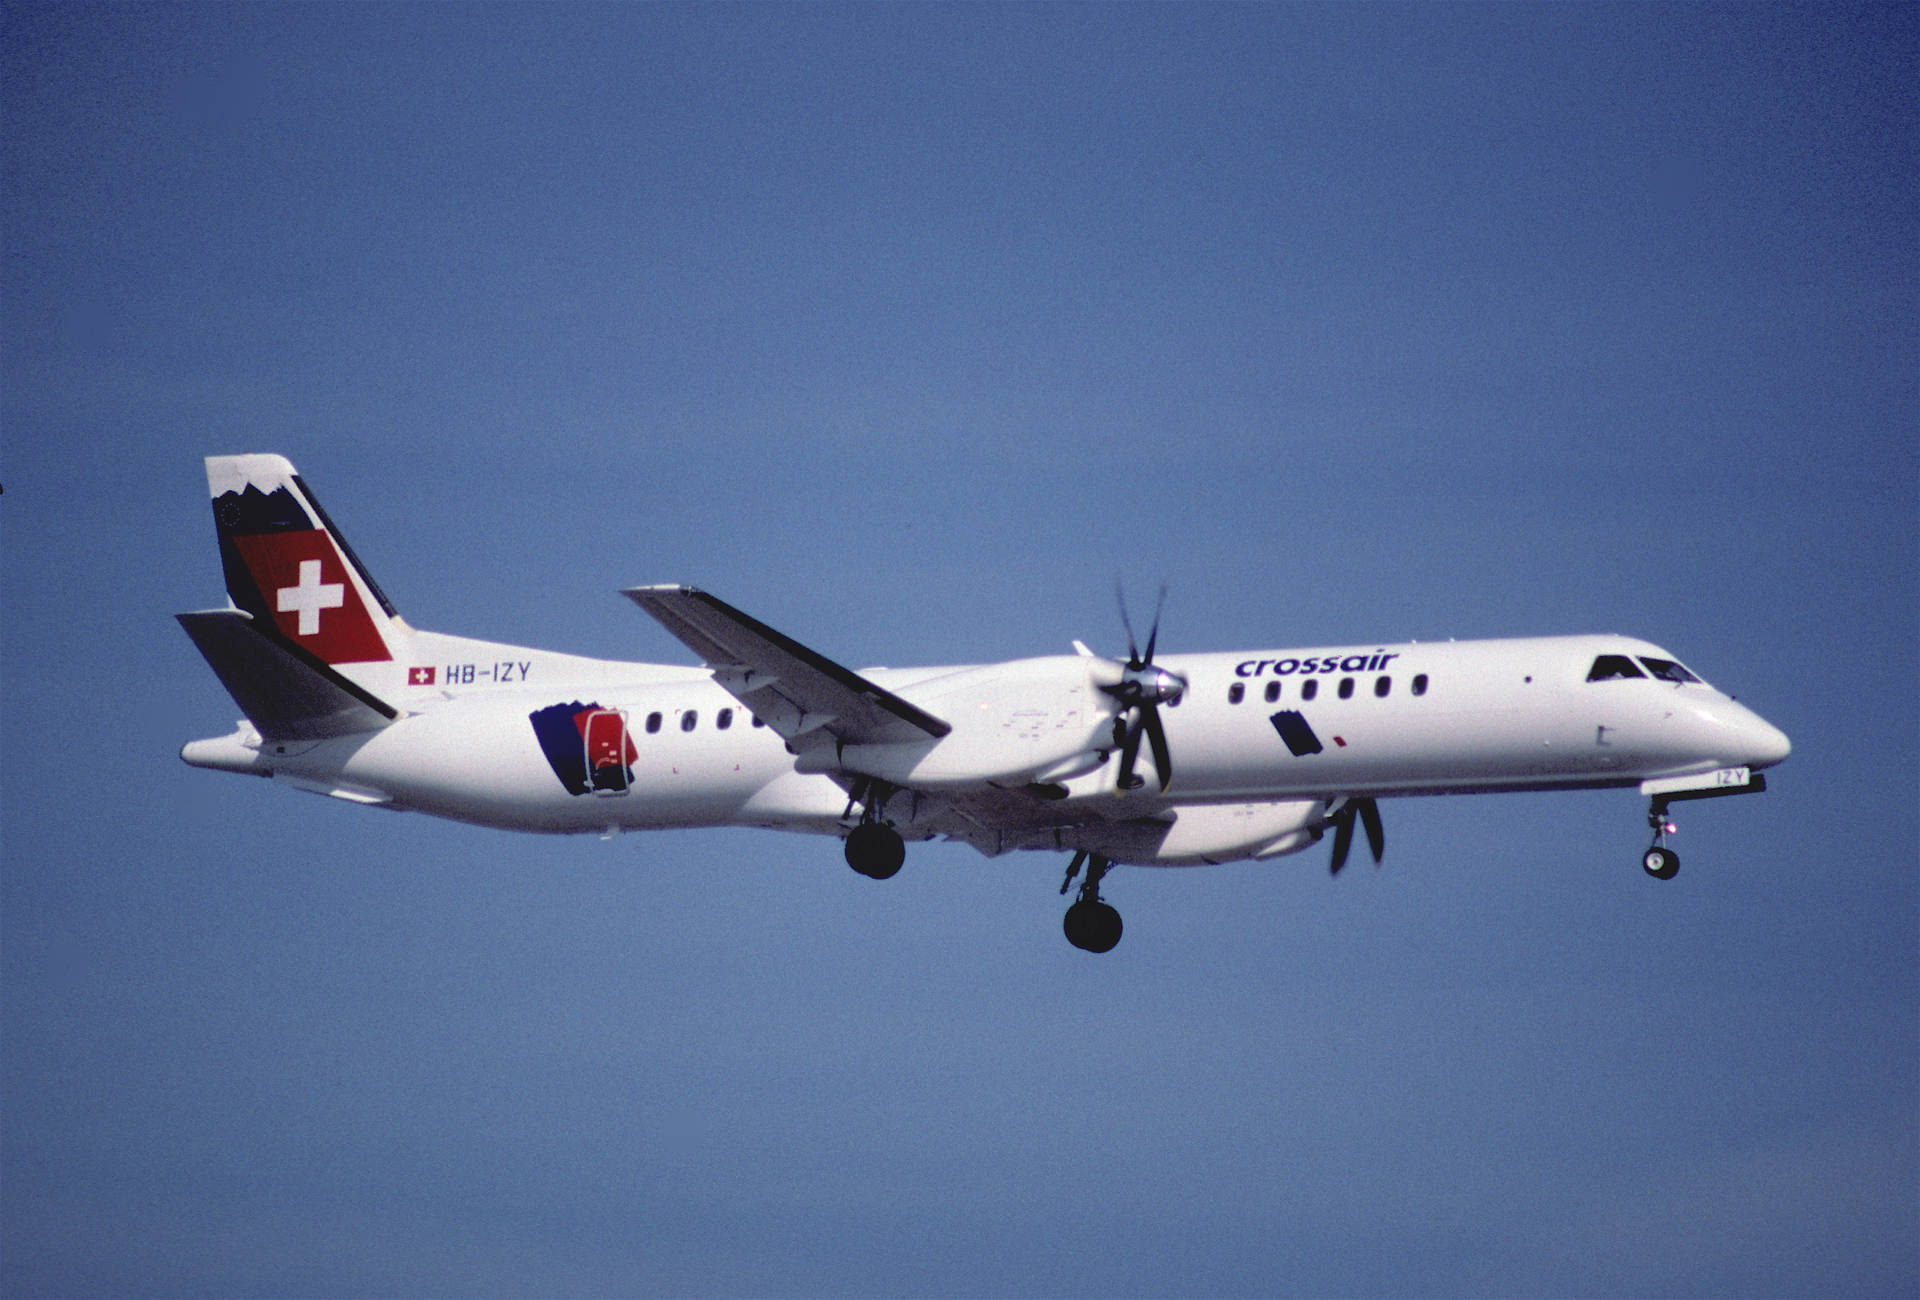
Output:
x,y
587,746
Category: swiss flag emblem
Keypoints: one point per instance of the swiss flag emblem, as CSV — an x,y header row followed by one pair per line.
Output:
x,y
420,676
311,596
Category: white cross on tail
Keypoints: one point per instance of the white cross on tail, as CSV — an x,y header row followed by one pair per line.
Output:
x,y
310,597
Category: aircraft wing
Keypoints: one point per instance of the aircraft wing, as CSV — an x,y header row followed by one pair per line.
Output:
x,y
799,693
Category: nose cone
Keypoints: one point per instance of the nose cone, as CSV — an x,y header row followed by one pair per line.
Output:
x,y
1766,743
1732,735
1751,739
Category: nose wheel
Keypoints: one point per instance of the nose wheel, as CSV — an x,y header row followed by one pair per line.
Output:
x,y
1659,861
1091,924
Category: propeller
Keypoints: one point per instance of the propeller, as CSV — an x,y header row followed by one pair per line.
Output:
x,y
1140,692
1369,813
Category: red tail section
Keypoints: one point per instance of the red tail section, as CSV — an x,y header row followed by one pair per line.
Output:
x,y
288,568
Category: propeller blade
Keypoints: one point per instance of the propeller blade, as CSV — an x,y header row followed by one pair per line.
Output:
x,y
1133,653
1376,834
1129,753
1162,760
1342,839
1153,632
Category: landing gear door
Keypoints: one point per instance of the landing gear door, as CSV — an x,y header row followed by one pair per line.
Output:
x,y
610,752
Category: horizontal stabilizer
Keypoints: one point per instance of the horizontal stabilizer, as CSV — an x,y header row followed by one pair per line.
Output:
x,y
286,693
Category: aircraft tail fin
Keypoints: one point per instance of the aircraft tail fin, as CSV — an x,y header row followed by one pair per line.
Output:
x,y
290,571
286,693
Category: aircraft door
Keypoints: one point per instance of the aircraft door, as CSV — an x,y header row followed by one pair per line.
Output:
x,y
610,752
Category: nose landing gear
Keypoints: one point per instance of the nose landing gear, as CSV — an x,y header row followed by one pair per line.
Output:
x,y
1091,924
1659,861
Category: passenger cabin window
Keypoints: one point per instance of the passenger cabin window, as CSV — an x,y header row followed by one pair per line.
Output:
x,y
725,719
689,720
1381,685
1667,670
653,723
1236,692
1309,688
758,721
1609,668
1273,691
1419,683
1346,688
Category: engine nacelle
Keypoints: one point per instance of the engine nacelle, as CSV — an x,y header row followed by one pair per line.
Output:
x,y
1206,834
1030,720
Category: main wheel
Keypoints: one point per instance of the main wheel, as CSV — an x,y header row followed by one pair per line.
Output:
x,y
875,850
1661,864
1092,926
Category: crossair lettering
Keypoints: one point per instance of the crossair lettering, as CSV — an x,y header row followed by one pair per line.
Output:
x,y
1369,662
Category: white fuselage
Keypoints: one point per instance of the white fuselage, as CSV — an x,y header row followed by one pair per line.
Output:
x,y
1262,742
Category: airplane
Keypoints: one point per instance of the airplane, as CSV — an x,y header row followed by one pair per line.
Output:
x,y
1254,754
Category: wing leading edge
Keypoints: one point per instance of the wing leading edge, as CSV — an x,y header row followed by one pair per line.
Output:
x,y
796,691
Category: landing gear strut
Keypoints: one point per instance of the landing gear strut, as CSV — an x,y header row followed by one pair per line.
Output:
x,y
874,849
1091,924
1660,862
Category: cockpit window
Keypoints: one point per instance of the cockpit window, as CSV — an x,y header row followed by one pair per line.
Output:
x,y
1667,670
1609,667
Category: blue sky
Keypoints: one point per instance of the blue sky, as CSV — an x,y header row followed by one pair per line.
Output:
x,y
906,329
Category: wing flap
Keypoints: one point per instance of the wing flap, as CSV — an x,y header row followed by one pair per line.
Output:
x,y
286,693
793,689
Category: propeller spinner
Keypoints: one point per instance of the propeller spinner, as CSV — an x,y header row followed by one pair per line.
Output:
x,y
1140,692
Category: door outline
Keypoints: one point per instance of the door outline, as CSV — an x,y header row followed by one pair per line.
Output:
x,y
609,752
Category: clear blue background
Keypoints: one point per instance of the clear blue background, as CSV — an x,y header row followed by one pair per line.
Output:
x,y
906,329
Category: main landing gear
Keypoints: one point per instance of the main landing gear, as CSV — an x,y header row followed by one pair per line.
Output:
x,y
874,849
1091,924
1660,862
